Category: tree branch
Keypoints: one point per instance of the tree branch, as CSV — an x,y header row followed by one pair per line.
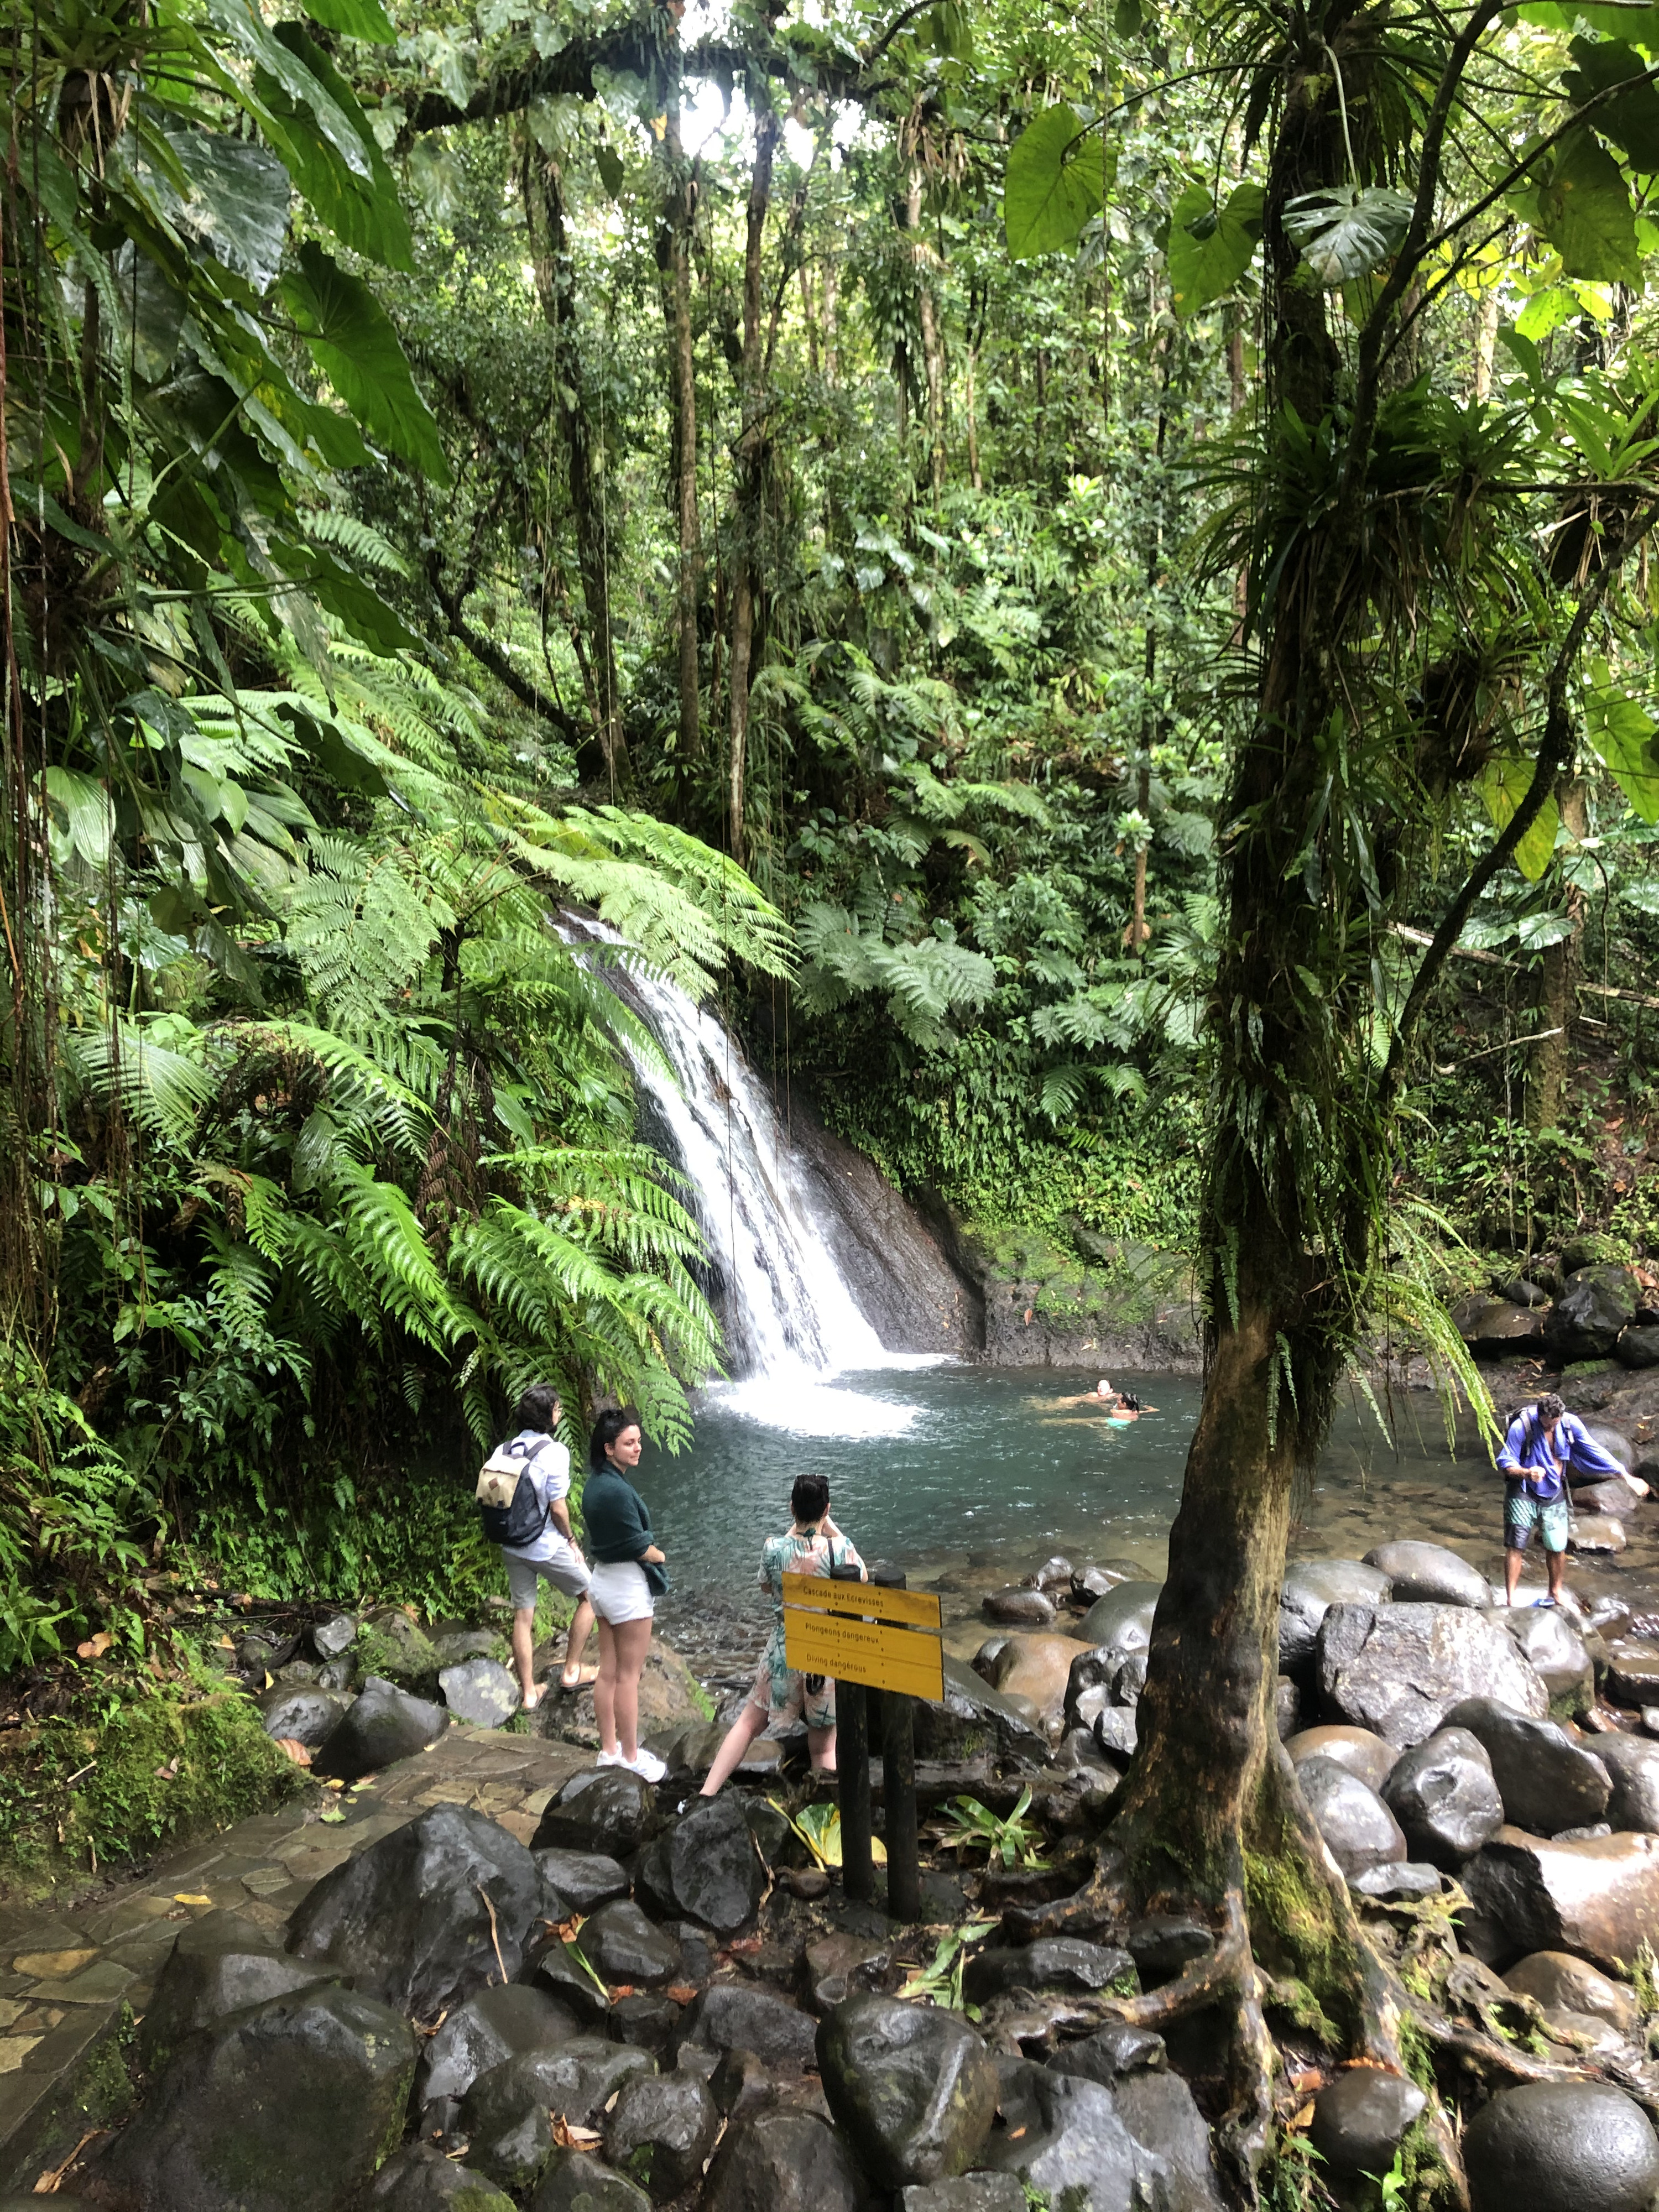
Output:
x,y
485,651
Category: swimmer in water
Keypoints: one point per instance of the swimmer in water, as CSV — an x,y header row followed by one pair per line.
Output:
x,y
1119,1406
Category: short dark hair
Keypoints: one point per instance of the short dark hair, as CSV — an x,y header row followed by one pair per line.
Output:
x,y
1550,1407
808,1498
606,1430
537,1408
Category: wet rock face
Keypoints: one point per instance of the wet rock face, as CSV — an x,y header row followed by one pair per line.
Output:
x,y
384,1725
571,2175
622,1946
1358,1749
420,2179
784,2161
1122,1618
1586,1320
1633,1763
1359,2118
1547,1781
1550,1643
1032,1671
915,2090
1311,1588
1633,1676
407,1919
735,2016
1052,1962
1561,1983
1599,1898
493,2026
1443,1793
287,2108
585,1879
1400,1670
603,1810
659,2132
1019,1608
708,1866
1076,2148
1561,2147
1359,1829
1428,1574
219,1965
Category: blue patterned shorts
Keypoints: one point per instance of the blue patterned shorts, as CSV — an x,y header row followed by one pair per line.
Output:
x,y
1522,1513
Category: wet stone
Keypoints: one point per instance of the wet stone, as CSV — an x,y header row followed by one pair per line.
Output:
x,y
1632,1673
1359,1831
1633,1763
659,2132
1052,1962
646,2020
331,1636
1428,1574
384,1725
495,2025
1019,1608
549,1966
1162,1943
1160,2113
1547,1781
218,1965
732,2016
308,1715
1311,1588
740,2085
1113,2049
966,2192
1561,1983
1443,1793
783,2162
1561,2147
479,1691
420,2179
1359,2118
603,1810
1363,1753
1077,2150
585,1879
1399,1669
572,2179
1408,1879
914,2090
622,1946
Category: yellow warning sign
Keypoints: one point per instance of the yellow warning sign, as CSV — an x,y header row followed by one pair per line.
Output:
x,y
873,1600
899,1650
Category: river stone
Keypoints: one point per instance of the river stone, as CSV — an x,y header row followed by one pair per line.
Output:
x,y
1162,1943
1033,1668
966,2192
420,2179
1360,2118
1411,1878
712,1866
1554,1649
1123,1618
1089,1682
603,1810
454,1644
1428,1574
1638,1346
407,1919
382,1726
1593,1306
734,2016
1633,1763
1359,1829
1399,1669
622,1945
1496,1327
1521,1293
495,2025
1613,1442
1610,1496
1561,1983
1443,1793
572,2179
584,1879
1117,1732
1055,1574
647,2019
219,1965
839,1964
1597,1532
971,1718
394,1645
1287,1708
308,1715
339,1675
1363,1753
1311,1588
1077,2150
783,2162
504,2114
1632,1671
659,2132
288,2108
914,2090
1547,1781
1599,1898
480,1691
1561,2147
1018,1609
1111,2051
550,1965
1052,1962
330,1637
1160,2113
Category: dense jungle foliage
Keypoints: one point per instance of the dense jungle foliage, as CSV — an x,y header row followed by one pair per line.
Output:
x,y
794,483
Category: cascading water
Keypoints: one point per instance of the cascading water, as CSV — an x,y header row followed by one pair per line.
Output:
x,y
792,1322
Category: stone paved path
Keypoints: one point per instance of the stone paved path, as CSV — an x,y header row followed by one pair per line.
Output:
x,y
65,1976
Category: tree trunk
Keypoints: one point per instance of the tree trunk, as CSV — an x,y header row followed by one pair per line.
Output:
x,y
674,267
1550,1062
556,286
1486,339
749,482
933,346
831,355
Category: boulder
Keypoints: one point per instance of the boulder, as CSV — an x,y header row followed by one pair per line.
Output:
x,y
622,1945
497,2024
1632,1671
1399,1669
1614,1441
1428,1574
571,2178
1052,1962
709,1867
1638,1346
914,2090
1595,1306
481,1691
551,1965
332,1636
1077,2152
1599,1898
1597,1532
382,1726
307,1715
735,2016
1123,1618
218,1965
1311,1588
391,1643
661,2131
428,1915
1610,1496
1411,1878
1018,1609
1034,1669
1360,2116
971,1718
1162,1943
1363,1753
420,2179
1497,1328
1547,1781
1359,1829
603,1810
966,2192
504,2117
288,2108
1633,1763
839,1964
583,1878
1116,1733
1561,2147
1111,2051
784,2161
1521,1293
1560,1982
1160,2113
647,2019
1443,1793
1551,1644
1089,1683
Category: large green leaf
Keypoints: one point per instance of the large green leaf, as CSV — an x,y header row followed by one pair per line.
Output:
x,y
353,343
360,206
246,30
1622,732
1630,119
1614,21
1503,784
1055,182
1584,212
1210,247
235,202
357,18
1344,234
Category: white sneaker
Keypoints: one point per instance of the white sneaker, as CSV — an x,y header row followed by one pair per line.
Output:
x,y
646,1765
610,1758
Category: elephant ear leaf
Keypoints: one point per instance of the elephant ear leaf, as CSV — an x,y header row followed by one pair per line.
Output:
x,y
353,343
1583,210
1503,784
355,19
1210,247
1622,732
1055,181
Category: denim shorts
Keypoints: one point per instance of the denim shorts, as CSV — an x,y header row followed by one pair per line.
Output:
x,y
1522,1513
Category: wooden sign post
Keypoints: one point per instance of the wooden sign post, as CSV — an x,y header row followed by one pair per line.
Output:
x,y
878,1635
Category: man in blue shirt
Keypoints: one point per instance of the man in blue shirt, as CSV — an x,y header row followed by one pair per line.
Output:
x,y
1543,1442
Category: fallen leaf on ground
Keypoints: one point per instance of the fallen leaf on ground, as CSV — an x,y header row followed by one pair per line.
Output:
x,y
621,1989
682,1992
745,1946
296,1750
333,1782
227,1643
1303,2119
95,1646
169,1773
566,2135
334,1814
185,1897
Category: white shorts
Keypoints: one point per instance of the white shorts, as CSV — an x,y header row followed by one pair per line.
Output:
x,y
620,1592
564,1570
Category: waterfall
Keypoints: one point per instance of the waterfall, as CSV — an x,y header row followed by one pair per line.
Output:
x,y
792,1322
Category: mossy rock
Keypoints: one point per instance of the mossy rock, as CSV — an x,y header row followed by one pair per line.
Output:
x,y
169,1768
392,1645
1593,1251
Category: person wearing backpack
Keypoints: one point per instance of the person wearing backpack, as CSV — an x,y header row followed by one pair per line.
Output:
x,y
523,1495
1543,1444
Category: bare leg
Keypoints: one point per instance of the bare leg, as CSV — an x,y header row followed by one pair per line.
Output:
x,y
581,1624
821,1742
1555,1566
604,1689
631,1640
524,1651
1511,1572
738,1737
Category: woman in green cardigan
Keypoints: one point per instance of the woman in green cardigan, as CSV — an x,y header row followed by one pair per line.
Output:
x,y
624,1549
